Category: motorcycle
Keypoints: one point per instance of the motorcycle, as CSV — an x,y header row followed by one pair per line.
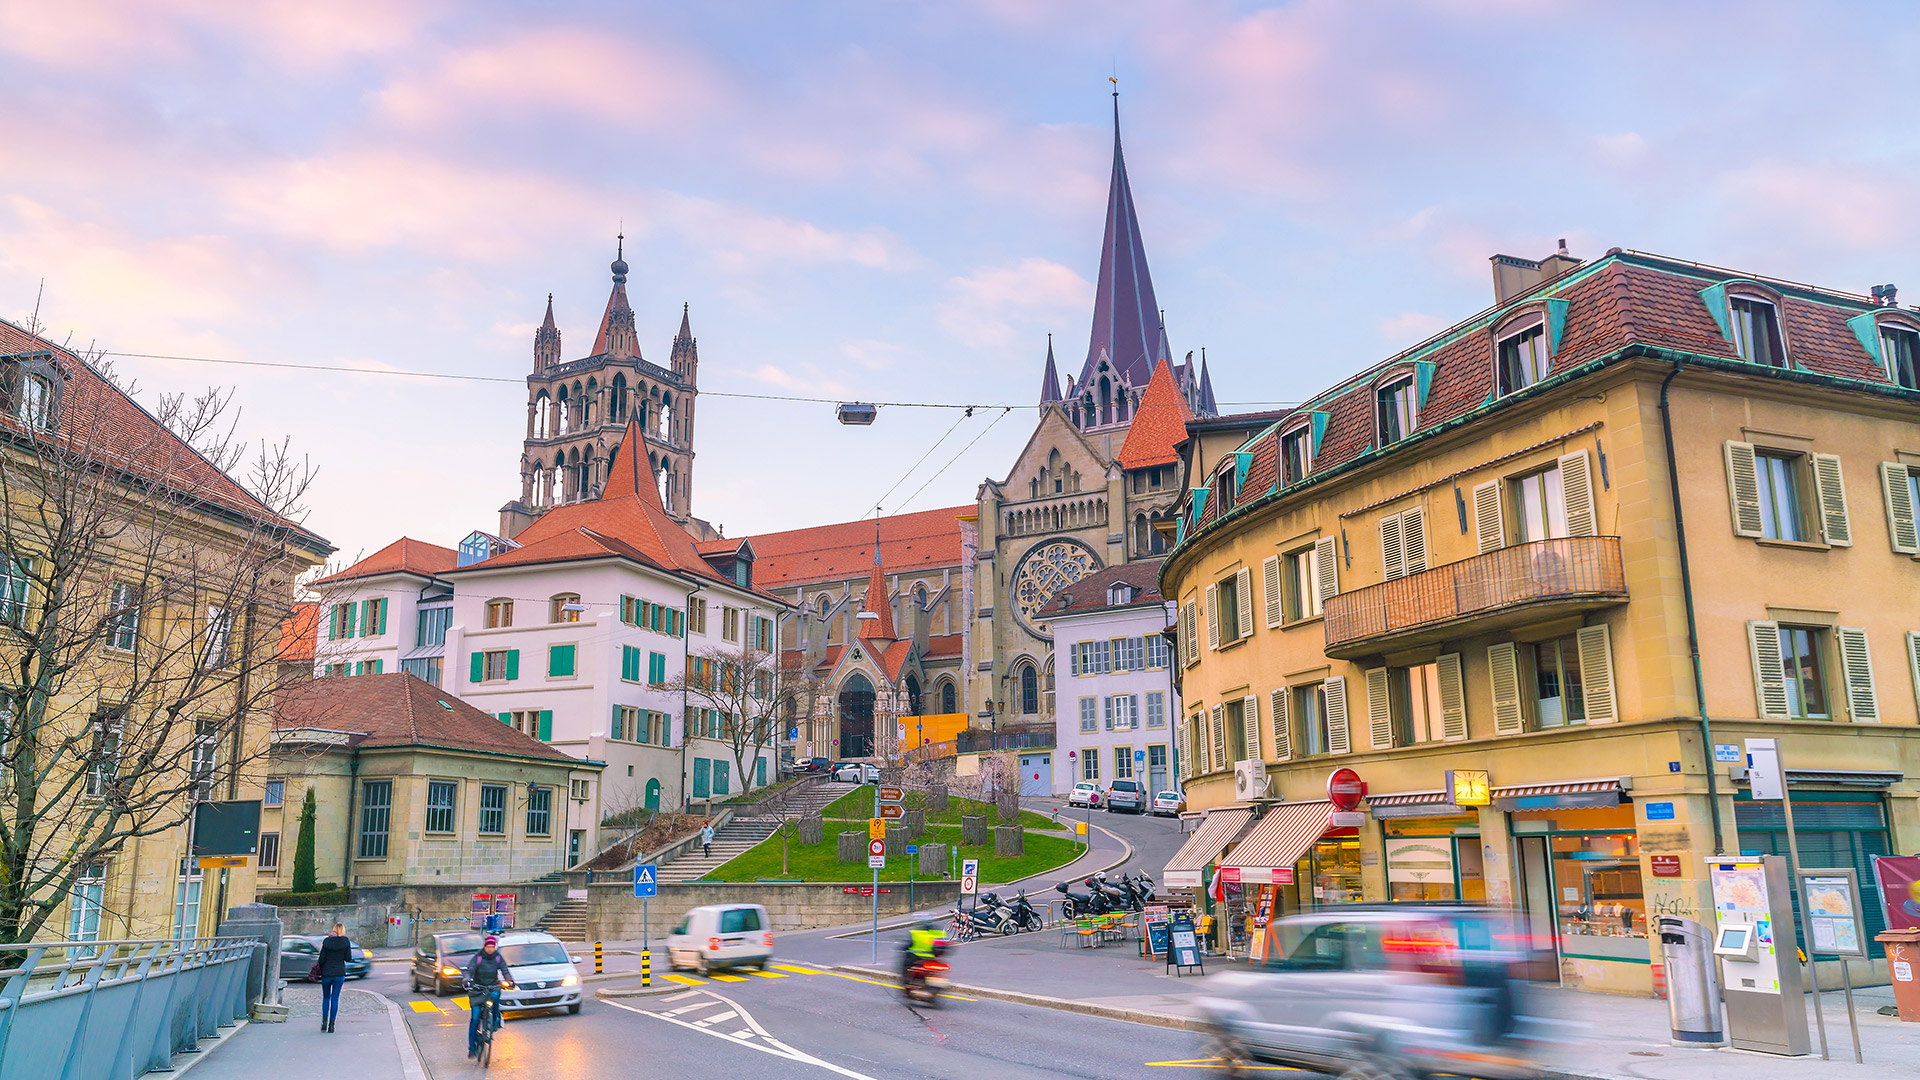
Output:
x,y
1091,902
1118,899
925,978
1005,921
1025,916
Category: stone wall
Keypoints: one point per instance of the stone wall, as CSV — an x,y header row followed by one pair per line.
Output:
x,y
614,915
436,907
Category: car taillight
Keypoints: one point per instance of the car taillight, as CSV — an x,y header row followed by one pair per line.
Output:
x,y
767,940
713,944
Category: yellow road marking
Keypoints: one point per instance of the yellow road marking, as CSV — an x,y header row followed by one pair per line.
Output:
x,y
684,980
798,970
727,978
893,986
461,1003
424,1006
1208,1063
768,974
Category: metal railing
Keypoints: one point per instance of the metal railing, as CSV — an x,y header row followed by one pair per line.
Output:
x,y
1572,568
116,1009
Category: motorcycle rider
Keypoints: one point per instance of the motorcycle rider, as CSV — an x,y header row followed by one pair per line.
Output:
x,y
918,946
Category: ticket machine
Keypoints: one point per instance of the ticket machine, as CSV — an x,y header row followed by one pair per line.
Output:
x,y
1759,966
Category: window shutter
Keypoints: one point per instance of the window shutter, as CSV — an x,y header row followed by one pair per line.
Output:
x,y
1219,737
1743,489
1282,735
1503,668
478,663
1193,633
1596,674
546,724
1831,487
1184,765
383,617
1576,485
1213,616
613,724
1856,664
1073,654
506,718
1913,661
1413,538
333,617
1453,698
1270,577
1379,710
1769,672
1243,591
1106,712
1900,509
353,618
1328,561
1393,554
1250,716
513,664
1488,518
1338,737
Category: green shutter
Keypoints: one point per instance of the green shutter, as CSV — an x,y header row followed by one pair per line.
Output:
x,y
613,726
513,664
333,623
546,724
506,718
353,616
382,628
479,665
559,660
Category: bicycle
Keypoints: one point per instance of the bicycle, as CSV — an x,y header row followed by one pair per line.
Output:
x,y
487,998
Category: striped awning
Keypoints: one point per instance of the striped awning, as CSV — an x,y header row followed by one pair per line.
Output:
x,y
1216,830
1561,795
1406,798
1267,854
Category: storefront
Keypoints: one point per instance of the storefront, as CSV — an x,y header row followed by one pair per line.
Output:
x,y
1835,827
1261,874
1430,847
1192,867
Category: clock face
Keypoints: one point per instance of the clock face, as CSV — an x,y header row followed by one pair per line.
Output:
x,y
1470,787
1043,571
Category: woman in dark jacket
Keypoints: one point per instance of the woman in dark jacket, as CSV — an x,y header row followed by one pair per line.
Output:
x,y
334,952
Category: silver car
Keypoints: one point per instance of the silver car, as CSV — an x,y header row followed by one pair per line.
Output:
x,y
1380,991
1126,795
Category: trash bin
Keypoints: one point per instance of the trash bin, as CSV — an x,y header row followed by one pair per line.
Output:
x,y
1693,982
1903,957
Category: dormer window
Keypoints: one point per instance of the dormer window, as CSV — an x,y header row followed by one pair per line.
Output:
x,y
1296,455
1120,594
29,389
34,407
1223,486
1523,359
1396,411
1901,347
1756,331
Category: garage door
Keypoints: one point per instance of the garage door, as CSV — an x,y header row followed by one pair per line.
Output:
x,y
1036,774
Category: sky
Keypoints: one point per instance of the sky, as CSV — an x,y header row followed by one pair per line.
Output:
x,y
878,202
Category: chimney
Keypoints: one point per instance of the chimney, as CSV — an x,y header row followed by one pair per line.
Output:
x,y
1513,275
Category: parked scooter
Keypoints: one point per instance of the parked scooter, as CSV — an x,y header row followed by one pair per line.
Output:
x,y
1078,904
1118,899
1024,914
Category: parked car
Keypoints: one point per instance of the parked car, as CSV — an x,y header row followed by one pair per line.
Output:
x,y
1401,991
1168,804
812,764
1085,793
719,936
299,952
1126,795
440,960
543,973
854,772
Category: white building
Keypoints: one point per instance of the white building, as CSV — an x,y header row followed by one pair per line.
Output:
x,y
572,633
1115,692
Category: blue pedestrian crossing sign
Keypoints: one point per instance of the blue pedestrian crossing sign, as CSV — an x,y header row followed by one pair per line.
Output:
x,y
646,881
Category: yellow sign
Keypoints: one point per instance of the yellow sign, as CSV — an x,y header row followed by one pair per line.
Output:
x,y
1080,828
876,829
1469,787
215,862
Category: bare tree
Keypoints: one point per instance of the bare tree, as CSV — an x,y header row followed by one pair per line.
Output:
x,y
753,692
141,591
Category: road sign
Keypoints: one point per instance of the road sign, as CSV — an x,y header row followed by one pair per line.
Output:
x,y
892,811
646,881
913,849
969,867
1080,828
215,862
891,794
877,854
1139,755
968,884
876,829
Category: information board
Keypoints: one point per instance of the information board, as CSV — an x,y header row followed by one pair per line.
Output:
x,y
1183,945
1830,900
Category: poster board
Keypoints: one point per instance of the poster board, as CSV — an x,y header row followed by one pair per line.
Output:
x,y
1899,878
1830,904
1154,920
1183,946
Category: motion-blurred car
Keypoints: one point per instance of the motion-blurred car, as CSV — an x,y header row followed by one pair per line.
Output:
x,y
1085,793
1167,804
1126,795
854,772
439,961
721,936
1364,991
299,952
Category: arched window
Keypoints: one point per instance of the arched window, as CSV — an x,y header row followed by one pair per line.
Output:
x,y
542,415
588,403
920,597
913,696
1029,689
824,604
1054,471
565,415
856,716
617,399
499,613
1106,401
947,703
565,607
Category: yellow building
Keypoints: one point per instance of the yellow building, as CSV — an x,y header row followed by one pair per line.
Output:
x,y
1490,554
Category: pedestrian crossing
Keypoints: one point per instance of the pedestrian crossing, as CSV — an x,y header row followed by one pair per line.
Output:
x,y
776,971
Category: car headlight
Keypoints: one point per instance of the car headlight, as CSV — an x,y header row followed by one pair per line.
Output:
x,y
449,971
571,980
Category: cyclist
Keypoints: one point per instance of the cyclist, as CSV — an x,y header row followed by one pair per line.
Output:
x,y
486,974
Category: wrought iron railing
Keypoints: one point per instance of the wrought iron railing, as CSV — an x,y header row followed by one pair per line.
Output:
x,y
1572,568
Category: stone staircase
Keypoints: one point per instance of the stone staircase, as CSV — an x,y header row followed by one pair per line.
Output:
x,y
743,833
566,921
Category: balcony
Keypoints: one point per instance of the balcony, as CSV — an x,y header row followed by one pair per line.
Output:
x,y
1520,584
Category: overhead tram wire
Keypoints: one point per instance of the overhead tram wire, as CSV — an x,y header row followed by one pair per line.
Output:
x,y
923,457
908,501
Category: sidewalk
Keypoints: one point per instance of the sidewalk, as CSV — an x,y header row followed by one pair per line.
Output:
x,y
370,1042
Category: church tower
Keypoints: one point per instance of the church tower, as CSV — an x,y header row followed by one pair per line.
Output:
x,y
577,414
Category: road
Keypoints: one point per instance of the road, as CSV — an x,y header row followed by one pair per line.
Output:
x,y
800,1019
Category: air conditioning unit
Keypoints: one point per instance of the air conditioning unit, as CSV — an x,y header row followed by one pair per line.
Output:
x,y
1249,780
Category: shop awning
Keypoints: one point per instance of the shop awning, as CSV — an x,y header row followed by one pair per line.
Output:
x,y
1414,804
1563,795
1216,830
1267,854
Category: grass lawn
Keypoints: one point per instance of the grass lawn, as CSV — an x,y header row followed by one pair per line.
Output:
x,y
858,804
820,862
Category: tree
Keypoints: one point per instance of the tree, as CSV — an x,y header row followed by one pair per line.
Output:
x,y
754,693
303,847
141,588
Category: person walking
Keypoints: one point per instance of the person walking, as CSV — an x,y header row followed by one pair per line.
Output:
x,y
706,838
486,974
334,951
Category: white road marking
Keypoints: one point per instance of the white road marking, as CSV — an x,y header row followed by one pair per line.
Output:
x,y
769,1045
707,1021
707,1004
682,996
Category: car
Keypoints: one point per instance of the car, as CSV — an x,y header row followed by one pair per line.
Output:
x,y
721,936
1085,793
543,973
854,772
1126,795
299,952
439,961
1363,991
1168,804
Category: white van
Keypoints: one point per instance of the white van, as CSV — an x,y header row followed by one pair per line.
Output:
x,y
721,935
543,973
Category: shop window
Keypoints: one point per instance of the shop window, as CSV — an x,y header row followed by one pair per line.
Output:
x,y
1435,859
1335,872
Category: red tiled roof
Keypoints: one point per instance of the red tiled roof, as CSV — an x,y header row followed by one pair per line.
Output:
x,y
1090,592
893,658
877,602
400,710
942,645
721,546
1159,424
299,631
404,556
99,420
909,543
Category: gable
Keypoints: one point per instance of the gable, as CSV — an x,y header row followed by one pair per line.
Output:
x,y
1056,434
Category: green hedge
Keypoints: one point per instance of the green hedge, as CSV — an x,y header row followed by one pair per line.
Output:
x,y
327,894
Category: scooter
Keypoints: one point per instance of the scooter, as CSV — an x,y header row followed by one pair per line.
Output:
x,y
1080,903
1117,898
925,978
1005,919
1024,914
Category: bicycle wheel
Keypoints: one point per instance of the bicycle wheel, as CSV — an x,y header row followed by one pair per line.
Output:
x,y
486,1050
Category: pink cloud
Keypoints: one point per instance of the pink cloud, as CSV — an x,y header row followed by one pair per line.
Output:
x,y
85,33
997,306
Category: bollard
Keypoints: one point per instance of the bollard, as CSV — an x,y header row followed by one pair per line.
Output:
x,y
646,967
598,960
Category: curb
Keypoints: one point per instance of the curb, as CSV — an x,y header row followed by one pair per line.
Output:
x,y
1084,1008
208,1047
412,1064
639,991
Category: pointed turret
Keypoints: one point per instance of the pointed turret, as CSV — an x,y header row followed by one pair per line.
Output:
x,y
1125,314
1050,379
616,338
878,629
630,475
1159,425
686,350
1208,406
546,341
1164,353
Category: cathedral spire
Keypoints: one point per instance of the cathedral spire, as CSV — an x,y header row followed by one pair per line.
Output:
x,y
616,338
1207,404
1125,313
1050,380
686,354
881,627
546,341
